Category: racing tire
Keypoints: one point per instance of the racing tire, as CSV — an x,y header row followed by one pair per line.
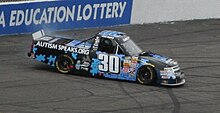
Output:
x,y
64,64
146,75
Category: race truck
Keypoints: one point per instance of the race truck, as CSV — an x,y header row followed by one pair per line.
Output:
x,y
107,54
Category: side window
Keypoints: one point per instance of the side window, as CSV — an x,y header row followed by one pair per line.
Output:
x,y
119,50
107,45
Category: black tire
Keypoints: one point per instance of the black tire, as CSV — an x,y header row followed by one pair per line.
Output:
x,y
64,64
146,75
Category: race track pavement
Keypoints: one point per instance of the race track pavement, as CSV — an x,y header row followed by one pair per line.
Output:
x,y
27,86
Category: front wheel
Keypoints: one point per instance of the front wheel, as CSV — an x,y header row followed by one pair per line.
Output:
x,y
64,64
146,75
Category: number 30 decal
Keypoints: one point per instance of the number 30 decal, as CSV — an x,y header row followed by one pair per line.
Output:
x,y
109,63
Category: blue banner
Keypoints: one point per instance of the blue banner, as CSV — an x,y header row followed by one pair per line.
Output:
x,y
65,14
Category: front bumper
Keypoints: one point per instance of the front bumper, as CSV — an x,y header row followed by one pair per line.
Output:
x,y
179,80
175,84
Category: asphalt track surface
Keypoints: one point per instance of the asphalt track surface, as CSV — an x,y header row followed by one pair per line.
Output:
x,y
27,86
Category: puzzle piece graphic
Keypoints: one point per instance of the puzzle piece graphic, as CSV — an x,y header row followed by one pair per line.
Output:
x,y
94,66
34,49
51,60
74,55
40,58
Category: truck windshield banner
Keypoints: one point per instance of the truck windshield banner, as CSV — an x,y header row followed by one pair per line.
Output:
x,y
67,14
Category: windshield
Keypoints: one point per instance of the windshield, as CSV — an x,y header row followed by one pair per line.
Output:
x,y
131,47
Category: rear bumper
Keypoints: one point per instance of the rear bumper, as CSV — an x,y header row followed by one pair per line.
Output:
x,y
30,54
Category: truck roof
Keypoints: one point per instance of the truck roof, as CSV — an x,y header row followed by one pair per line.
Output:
x,y
111,34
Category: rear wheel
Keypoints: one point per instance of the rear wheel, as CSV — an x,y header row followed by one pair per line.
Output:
x,y
146,75
64,64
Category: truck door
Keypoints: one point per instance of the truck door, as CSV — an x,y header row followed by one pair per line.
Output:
x,y
110,56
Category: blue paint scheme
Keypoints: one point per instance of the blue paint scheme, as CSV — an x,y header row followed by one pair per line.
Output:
x,y
143,61
114,66
73,43
122,75
94,65
160,57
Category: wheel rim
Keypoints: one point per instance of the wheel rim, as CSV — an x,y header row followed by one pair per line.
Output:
x,y
64,63
146,75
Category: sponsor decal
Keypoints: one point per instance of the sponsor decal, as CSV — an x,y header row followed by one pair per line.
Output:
x,y
130,64
126,39
84,64
96,43
134,61
62,48
126,65
78,63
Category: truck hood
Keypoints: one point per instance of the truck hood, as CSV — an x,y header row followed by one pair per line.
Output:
x,y
153,57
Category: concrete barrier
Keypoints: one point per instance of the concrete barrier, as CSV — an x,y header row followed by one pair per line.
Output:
x,y
151,11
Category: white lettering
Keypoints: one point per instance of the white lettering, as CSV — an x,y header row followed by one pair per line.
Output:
x,y
61,14
55,13
43,17
108,10
20,17
70,14
95,6
50,11
122,8
65,14
62,48
115,10
38,43
103,5
79,17
12,18
37,11
89,9
2,19
28,21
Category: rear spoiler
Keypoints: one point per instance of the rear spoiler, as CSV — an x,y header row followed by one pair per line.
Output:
x,y
38,34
